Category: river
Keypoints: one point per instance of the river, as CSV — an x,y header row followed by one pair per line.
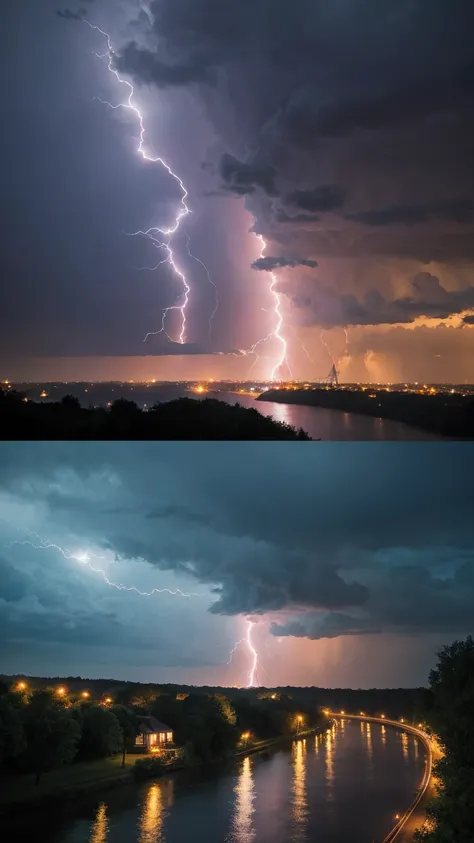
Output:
x,y
334,425
344,786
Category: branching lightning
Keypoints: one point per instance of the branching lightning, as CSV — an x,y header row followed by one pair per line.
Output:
x,y
321,337
84,558
154,234
247,639
276,333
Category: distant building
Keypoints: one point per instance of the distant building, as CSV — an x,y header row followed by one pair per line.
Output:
x,y
152,735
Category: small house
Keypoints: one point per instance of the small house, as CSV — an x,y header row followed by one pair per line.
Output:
x,y
152,735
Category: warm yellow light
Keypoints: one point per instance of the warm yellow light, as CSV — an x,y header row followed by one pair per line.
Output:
x,y
401,720
245,736
273,696
85,694
362,714
108,699
21,686
397,816
61,691
383,716
300,719
420,725
342,711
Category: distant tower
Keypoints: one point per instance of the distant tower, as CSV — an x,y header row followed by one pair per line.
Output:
x,y
332,377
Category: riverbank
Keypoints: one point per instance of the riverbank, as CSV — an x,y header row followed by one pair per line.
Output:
x,y
446,415
78,781
414,817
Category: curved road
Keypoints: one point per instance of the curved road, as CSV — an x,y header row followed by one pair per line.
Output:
x,y
402,832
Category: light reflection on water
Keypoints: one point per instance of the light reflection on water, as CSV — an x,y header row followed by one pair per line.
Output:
x,y
345,784
100,826
242,827
299,808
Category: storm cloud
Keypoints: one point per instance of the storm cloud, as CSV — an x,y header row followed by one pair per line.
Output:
x,y
269,263
296,122
322,544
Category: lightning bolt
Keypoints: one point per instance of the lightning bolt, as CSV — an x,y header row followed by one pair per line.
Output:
x,y
154,234
84,558
247,639
323,332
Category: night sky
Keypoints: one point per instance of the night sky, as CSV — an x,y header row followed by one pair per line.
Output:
x,y
354,563
340,130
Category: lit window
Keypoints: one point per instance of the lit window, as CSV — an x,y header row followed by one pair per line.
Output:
x,y
169,736
162,737
139,740
152,739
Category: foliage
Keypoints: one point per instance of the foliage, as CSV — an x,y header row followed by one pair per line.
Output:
x,y
184,418
147,768
51,733
101,733
12,737
450,711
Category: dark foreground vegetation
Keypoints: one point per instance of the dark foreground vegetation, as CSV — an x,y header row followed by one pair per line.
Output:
x,y
441,413
183,418
450,712
73,726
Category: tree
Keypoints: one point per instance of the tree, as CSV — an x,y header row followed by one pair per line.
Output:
x,y
128,726
12,737
52,734
70,402
450,711
101,733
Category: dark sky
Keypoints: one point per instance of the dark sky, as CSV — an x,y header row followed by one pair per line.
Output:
x,y
355,563
344,127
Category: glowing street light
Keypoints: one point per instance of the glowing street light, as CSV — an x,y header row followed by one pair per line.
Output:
x,y
245,738
342,711
401,720
382,716
22,686
61,692
85,695
108,700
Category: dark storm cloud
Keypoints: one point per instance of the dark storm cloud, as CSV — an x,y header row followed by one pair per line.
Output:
x,y
326,306
67,14
460,211
269,263
339,542
242,179
468,320
327,197
147,69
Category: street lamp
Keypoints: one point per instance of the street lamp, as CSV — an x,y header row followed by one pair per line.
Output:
x,y
299,721
382,716
108,700
61,691
85,695
22,686
245,738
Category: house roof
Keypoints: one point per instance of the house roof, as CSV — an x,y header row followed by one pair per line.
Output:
x,y
151,725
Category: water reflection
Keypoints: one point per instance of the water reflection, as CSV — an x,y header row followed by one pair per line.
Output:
x,y
152,816
369,741
383,730
405,745
242,823
299,806
100,826
329,763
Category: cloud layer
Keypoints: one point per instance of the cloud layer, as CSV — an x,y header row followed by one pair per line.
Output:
x,y
324,544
